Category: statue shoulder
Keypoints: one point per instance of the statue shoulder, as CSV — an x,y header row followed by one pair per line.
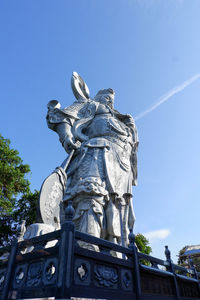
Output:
x,y
81,110
75,109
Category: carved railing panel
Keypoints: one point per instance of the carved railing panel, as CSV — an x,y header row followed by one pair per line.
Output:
x,y
99,273
80,265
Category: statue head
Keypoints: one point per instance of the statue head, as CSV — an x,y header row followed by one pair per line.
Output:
x,y
105,96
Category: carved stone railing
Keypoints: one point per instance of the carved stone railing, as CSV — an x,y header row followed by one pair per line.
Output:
x,y
82,266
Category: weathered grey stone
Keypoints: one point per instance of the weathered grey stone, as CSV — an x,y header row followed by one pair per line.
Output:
x,y
38,229
50,199
103,169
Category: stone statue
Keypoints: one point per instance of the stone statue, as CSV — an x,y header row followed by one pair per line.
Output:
x,y
103,167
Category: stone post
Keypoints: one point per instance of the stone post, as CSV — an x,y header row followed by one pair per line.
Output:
x,y
66,256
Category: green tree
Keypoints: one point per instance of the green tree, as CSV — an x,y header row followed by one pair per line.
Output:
x,y
12,176
17,202
142,244
26,208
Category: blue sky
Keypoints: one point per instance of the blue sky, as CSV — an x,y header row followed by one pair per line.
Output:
x,y
142,49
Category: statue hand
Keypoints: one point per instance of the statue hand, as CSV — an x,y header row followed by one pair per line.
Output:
x,y
69,144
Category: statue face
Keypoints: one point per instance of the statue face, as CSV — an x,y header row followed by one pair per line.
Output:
x,y
106,97
107,100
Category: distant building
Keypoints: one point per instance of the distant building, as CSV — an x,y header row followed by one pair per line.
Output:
x,y
192,252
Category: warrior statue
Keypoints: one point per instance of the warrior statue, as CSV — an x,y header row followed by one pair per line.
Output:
x,y
103,167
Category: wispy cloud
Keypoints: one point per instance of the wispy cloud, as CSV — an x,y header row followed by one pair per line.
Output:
x,y
168,95
157,234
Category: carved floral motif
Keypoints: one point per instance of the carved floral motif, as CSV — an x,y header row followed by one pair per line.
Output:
x,y
106,276
34,274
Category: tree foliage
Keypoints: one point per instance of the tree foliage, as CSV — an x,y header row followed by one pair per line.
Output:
x,y
142,244
17,202
27,208
12,176
24,209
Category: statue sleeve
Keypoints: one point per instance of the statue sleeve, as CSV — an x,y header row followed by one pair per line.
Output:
x,y
61,122
57,116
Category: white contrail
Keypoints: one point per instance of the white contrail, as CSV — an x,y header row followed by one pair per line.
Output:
x,y
168,95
